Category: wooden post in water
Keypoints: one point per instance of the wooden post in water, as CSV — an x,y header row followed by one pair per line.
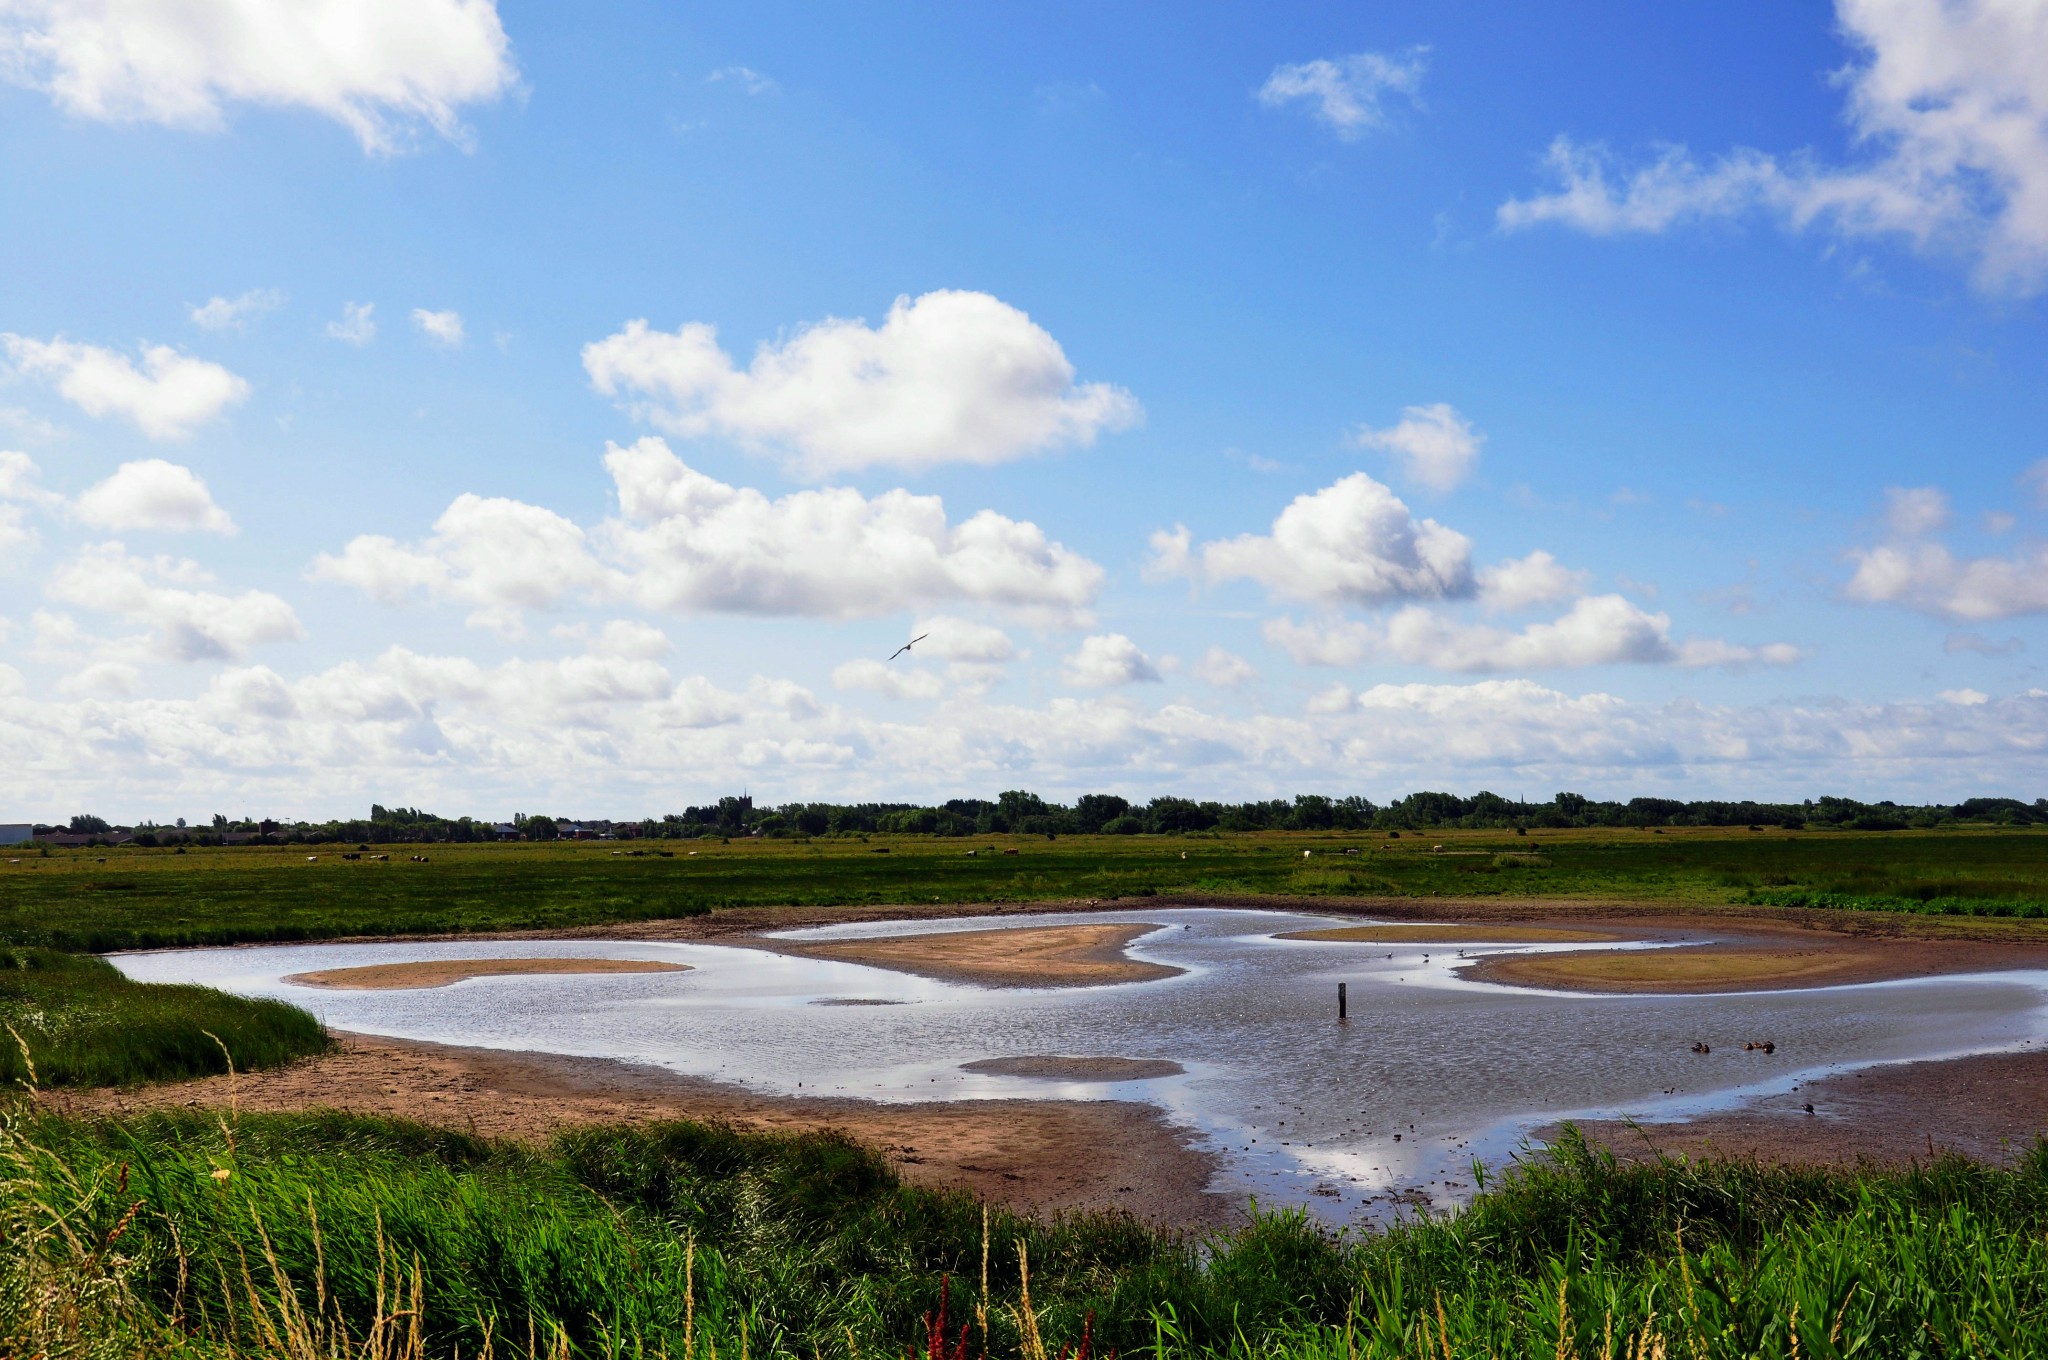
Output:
x,y
1341,1016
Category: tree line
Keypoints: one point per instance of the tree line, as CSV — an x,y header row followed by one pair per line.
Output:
x,y
1019,812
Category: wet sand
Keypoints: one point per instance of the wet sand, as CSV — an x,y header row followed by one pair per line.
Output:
x,y
1447,933
444,972
1689,969
1034,1155
1991,1107
1023,956
1050,1067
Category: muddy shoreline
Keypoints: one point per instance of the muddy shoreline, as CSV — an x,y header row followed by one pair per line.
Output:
x,y
1991,1107
1040,1156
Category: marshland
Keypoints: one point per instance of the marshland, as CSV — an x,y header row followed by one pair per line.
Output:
x,y
213,1170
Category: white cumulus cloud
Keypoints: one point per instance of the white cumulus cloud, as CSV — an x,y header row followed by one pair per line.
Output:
x,y
895,681
688,543
1912,568
948,377
1523,582
1950,101
166,398
233,313
358,324
1437,446
1107,660
379,67
1354,542
1348,94
1598,630
1224,669
443,328
187,624
153,494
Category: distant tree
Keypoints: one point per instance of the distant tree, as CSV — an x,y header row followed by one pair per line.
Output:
x,y
1093,811
540,829
85,824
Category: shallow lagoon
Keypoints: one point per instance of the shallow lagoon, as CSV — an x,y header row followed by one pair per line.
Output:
x,y
1301,1109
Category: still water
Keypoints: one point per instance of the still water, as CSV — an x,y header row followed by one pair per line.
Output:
x,y
1430,1071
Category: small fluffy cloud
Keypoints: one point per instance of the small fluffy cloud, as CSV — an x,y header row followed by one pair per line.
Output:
x,y
1599,630
1437,446
1913,512
153,494
1911,568
951,639
232,314
358,325
1523,582
1107,660
379,67
746,78
1354,542
166,398
499,556
1348,95
443,328
949,377
1223,669
1947,95
689,543
897,682
187,624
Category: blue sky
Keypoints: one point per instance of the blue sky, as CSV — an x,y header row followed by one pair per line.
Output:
x,y
1616,398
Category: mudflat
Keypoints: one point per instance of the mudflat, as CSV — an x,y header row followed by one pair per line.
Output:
x,y
1024,956
1034,1155
1448,933
1992,1107
443,972
1053,1067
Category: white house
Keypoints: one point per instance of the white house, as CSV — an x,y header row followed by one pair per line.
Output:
x,y
17,833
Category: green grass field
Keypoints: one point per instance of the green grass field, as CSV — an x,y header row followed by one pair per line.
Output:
x,y
74,1020
326,1236
137,898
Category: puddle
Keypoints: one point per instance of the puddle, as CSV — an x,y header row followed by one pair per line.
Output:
x,y
1353,1120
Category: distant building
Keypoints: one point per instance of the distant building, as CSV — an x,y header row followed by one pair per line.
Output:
x,y
17,833
505,831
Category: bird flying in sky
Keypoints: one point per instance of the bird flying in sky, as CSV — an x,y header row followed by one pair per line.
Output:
x,y
908,645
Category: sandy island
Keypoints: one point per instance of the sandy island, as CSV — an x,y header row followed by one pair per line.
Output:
x,y
1035,1155
442,972
1689,969
1425,933
1022,956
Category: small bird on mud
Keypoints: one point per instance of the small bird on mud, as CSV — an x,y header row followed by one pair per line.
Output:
x,y
908,645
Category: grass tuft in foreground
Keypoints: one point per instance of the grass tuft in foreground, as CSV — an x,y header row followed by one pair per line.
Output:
x,y
328,1236
79,1022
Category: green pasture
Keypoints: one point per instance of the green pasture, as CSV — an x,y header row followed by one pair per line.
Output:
x,y
130,897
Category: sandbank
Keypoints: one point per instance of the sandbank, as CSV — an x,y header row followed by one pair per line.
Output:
x,y
1025,956
1046,1156
443,972
1426,933
1687,969
1053,1067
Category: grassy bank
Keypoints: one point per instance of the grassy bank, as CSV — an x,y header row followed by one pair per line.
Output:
x,y
76,1021
137,898
316,1235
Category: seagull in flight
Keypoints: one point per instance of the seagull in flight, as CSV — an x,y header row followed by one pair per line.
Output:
x,y
908,645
